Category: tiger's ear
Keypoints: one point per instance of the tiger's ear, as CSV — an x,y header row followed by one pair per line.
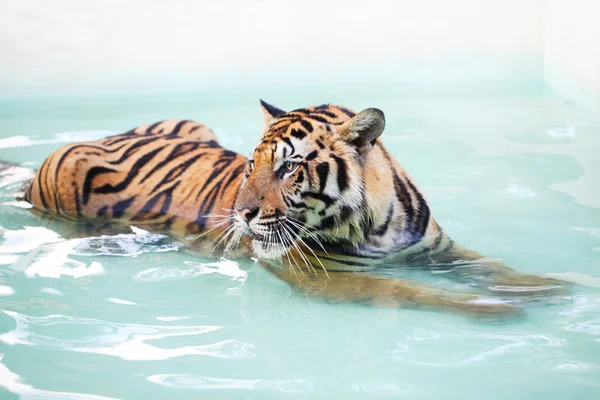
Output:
x,y
270,112
363,129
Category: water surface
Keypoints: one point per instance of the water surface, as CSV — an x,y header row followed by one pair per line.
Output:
x,y
512,171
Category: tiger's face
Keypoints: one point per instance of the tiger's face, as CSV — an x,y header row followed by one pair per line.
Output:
x,y
304,180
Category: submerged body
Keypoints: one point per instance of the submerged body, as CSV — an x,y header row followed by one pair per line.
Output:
x,y
320,202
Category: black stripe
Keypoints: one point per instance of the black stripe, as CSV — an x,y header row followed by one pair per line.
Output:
x,y
312,155
327,223
342,174
320,144
319,196
87,183
176,172
302,111
102,212
423,212
118,209
346,111
195,128
307,125
322,171
218,167
132,150
177,128
345,213
151,127
235,174
298,134
383,228
179,150
289,143
135,169
206,206
146,210
298,204
318,119
326,113
39,179
402,193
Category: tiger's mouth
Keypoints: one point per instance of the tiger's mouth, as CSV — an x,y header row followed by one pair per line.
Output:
x,y
270,246
273,238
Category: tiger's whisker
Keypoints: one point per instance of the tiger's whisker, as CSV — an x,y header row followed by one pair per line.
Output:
x,y
217,225
308,233
302,254
223,234
223,239
314,255
289,254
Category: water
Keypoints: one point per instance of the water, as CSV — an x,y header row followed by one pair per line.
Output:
x,y
511,170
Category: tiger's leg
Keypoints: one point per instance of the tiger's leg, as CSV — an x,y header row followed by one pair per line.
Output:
x,y
492,275
379,291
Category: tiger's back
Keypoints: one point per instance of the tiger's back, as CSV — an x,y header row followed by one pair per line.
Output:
x,y
169,176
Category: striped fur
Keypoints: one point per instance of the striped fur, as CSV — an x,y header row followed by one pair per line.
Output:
x,y
319,194
356,199
147,177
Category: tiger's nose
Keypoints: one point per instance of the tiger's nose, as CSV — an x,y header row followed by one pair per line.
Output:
x,y
247,214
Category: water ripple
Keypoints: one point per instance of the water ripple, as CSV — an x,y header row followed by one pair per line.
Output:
x,y
26,239
126,244
187,381
122,340
64,137
382,388
12,383
52,261
223,267
489,346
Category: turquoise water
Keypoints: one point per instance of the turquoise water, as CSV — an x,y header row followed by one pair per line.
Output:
x,y
511,170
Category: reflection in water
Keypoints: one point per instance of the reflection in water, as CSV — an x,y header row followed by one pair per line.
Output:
x,y
126,341
12,383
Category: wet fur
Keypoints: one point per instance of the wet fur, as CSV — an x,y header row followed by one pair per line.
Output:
x,y
347,207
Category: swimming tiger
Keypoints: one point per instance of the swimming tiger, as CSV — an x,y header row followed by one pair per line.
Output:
x,y
320,202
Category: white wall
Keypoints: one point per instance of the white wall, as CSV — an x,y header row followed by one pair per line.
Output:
x,y
73,46
572,49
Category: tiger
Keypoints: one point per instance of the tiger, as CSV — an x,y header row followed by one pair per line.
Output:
x,y
320,202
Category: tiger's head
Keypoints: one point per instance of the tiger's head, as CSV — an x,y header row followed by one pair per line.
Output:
x,y
304,180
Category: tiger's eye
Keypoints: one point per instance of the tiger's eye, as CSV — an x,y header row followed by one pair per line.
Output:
x,y
288,166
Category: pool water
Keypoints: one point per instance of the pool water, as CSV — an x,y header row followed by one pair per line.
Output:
x,y
511,170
